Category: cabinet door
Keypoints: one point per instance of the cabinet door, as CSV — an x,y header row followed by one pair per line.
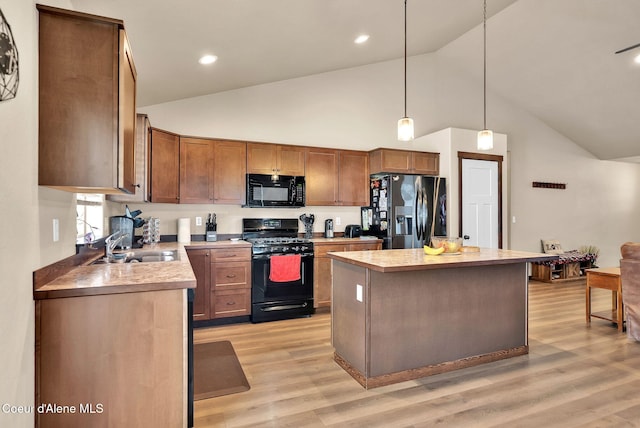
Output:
x,y
230,169
386,160
231,303
321,176
354,179
127,118
290,160
196,171
365,246
165,167
261,158
141,194
231,275
322,273
425,163
200,263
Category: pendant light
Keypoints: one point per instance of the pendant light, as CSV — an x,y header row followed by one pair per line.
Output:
x,y
485,137
405,125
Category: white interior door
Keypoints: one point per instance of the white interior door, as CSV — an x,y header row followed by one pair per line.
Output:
x,y
480,203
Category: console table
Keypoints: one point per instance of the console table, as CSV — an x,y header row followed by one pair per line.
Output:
x,y
608,279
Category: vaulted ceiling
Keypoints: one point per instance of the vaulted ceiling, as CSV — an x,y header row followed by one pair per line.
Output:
x,y
553,58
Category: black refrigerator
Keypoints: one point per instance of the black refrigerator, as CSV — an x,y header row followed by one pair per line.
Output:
x,y
406,210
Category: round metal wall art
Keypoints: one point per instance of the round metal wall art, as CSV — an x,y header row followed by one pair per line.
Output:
x,y
9,77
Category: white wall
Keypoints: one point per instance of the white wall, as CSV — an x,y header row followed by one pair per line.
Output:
x,y
358,109
26,226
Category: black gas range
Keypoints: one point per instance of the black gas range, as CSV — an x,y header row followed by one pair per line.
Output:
x,y
281,269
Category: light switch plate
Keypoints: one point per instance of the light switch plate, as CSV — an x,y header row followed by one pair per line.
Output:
x,y
56,230
359,293
198,221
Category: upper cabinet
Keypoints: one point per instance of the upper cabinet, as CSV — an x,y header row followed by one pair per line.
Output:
x,y
143,142
165,167
190,170
265,158
230,172
404,162
87,106
336,177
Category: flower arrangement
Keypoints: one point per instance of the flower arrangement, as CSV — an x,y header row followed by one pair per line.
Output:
x,y
591,250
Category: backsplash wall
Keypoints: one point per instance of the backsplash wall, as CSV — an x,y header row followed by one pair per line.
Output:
x,y
229,217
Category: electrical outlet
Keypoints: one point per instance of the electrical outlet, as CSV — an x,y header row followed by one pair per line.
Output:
x,y
56,230
338,221
198,221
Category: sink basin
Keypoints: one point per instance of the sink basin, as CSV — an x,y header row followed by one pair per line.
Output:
x,y
141,256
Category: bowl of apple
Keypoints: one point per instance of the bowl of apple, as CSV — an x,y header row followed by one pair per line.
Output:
x,y
450,245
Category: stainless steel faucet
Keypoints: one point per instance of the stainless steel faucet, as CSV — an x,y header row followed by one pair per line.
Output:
x,y
110,244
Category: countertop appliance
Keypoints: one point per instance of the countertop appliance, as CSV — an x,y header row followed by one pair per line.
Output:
x,y
282,191
281,269
352,231
328,228
406,210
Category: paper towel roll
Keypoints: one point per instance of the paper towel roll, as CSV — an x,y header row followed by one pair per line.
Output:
x,y
184,230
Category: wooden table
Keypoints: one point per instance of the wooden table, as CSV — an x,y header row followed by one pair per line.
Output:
x,y
608,279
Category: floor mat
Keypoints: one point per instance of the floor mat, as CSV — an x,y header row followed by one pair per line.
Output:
x,y
217,370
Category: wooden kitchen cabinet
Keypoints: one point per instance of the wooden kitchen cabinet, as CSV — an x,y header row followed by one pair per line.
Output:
x,y
404,162
196,171
322,264
230,293
265,158
87,105
143,143
229,172
336,177
201,264
353,178
223,276
165,167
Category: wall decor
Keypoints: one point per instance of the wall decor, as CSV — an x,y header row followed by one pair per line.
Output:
x,y
9,77
545,185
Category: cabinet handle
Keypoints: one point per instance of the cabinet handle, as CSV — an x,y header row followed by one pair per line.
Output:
x,y
228,255
231,276
231,303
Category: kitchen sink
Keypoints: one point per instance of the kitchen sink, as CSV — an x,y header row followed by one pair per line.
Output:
x,y
141,256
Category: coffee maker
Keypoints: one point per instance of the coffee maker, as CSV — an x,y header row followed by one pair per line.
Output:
x,y
328,228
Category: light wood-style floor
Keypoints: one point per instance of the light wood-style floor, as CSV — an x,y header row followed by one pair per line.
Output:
x,y
574,375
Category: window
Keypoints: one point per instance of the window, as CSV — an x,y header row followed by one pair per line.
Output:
x,y
89,220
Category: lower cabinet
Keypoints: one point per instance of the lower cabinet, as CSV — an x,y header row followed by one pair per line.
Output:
x,y
224,282
322,264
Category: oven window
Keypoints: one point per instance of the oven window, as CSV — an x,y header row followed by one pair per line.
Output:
x,y
278,194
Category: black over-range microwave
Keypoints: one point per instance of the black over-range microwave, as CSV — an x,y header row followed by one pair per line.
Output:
x,y
265,190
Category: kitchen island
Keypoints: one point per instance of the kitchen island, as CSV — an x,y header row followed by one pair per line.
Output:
x,y
400,314
112,341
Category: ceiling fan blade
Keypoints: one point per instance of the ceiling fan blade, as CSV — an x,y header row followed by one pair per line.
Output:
x,y
629,48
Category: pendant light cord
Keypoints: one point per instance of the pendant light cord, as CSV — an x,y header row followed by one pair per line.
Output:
x,y
405,58
484,28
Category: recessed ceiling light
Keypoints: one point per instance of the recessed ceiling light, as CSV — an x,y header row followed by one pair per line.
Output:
x,y
361,38
637,59
207,59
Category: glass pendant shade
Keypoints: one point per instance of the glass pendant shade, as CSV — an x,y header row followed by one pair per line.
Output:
x,y
405,129
485,139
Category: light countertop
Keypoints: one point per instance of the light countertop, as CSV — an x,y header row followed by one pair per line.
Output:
x,y
416,259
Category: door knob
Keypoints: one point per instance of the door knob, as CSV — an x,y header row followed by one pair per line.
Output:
x,y
465,237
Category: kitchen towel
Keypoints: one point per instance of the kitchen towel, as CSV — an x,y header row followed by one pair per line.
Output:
x,y
184,230
284,268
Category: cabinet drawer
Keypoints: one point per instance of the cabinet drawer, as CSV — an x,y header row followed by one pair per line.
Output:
x,y
231,275
363,246
231,303
322,250
231,254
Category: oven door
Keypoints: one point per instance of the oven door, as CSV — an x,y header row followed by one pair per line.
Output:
x,y
280,300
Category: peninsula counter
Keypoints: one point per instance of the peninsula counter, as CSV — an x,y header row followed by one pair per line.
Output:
x,y
400,314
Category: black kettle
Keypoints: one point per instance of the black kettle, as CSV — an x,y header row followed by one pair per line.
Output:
x,y
328,228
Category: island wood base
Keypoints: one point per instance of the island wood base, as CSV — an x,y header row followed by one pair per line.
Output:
x,y
392,326
388,379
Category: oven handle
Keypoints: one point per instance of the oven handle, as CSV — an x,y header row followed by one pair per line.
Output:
x,y
283,307
268,256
